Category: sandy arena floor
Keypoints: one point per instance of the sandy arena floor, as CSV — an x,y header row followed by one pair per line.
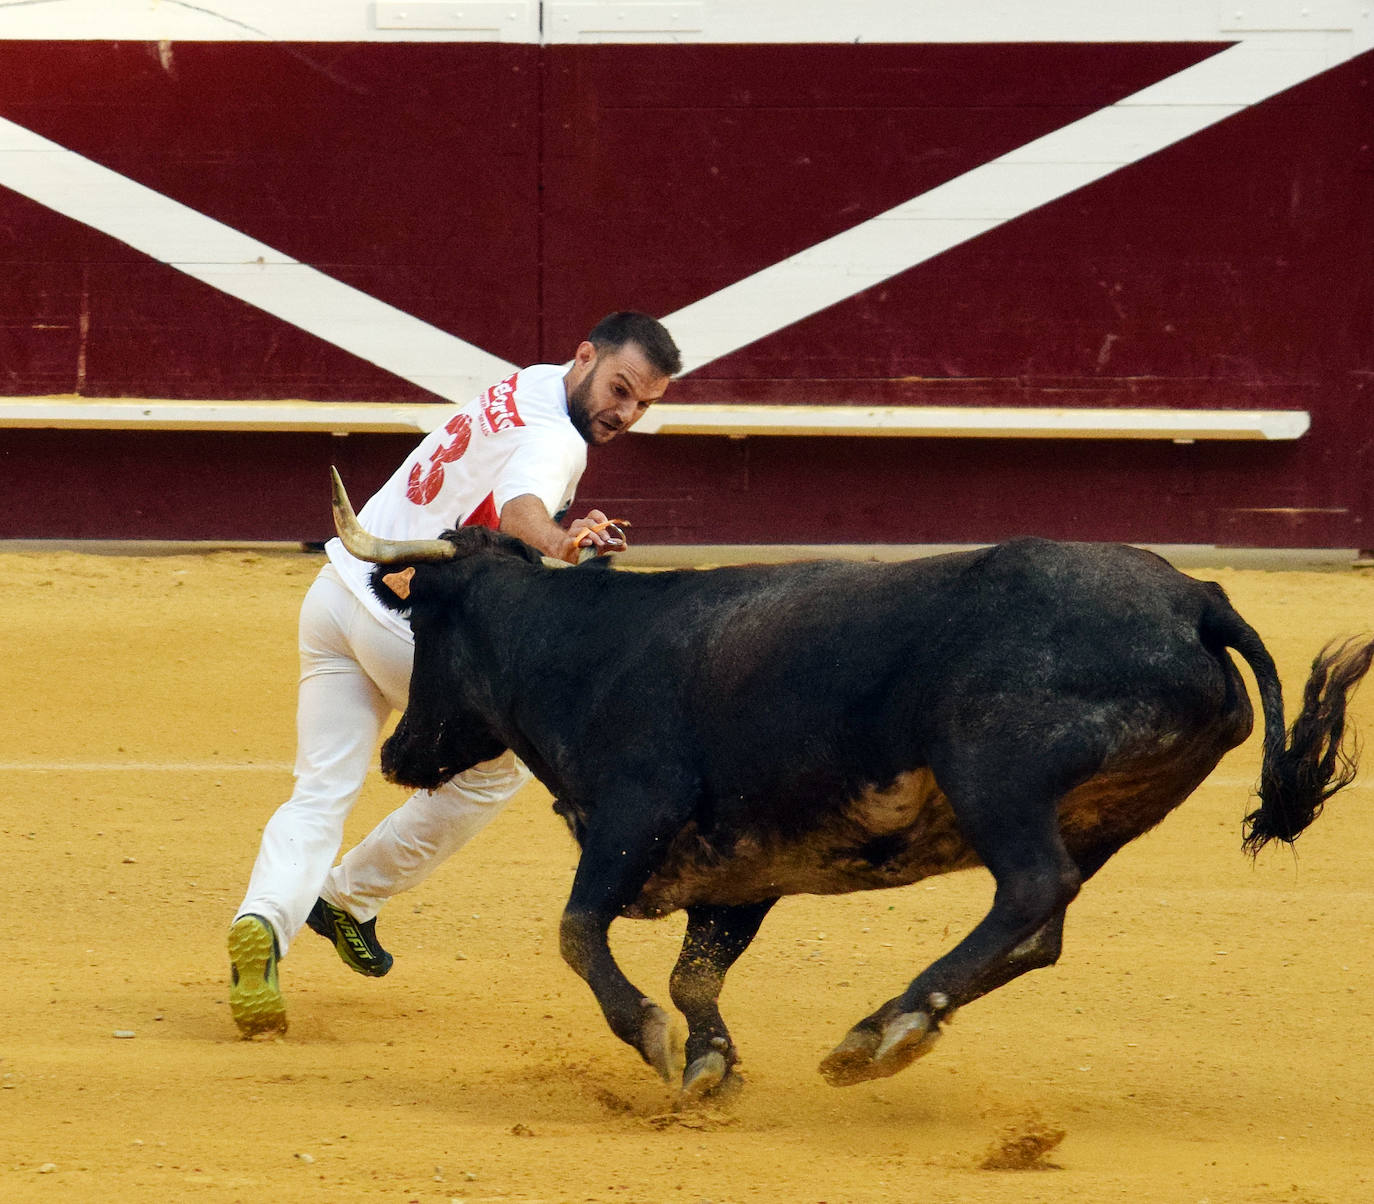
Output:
x,y
1206,1036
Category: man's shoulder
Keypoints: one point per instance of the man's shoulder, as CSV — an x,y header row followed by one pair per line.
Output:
x,y
513,404
539,400
541,385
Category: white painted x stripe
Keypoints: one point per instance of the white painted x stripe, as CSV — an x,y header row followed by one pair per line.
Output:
x,y
1002,190
243,267
1044,170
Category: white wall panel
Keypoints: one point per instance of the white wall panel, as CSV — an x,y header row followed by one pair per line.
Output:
x,y
270,20
937,20
666,21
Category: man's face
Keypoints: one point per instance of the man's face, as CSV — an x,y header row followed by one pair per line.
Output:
x,y
609,390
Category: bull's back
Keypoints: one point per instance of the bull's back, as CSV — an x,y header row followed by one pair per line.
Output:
x,y
819,737
831,683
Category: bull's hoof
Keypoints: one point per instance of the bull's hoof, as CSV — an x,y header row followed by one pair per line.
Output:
x,y
877,1053
703,1076
658,1044
708,1079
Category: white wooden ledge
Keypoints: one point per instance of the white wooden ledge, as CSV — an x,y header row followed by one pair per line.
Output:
x,y
987,422
668,418
318,416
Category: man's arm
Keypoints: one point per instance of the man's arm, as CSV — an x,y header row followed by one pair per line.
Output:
x,y
526,518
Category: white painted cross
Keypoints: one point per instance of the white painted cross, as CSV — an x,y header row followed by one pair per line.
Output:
x,y
1256,67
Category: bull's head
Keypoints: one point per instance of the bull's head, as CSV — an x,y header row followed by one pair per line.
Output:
x,y
442,732
410,552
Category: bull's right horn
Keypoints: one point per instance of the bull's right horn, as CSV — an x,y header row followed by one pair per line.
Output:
x,y
366,546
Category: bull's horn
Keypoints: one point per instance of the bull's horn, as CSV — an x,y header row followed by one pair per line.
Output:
x,y
366,546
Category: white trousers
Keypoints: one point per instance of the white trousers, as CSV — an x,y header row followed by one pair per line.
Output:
x,y
354,673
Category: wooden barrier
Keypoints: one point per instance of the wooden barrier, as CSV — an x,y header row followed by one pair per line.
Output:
x,y
735,421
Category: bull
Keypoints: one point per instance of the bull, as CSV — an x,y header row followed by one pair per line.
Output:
x,y
829,726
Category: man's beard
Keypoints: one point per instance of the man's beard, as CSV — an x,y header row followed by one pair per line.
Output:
x,y
577,406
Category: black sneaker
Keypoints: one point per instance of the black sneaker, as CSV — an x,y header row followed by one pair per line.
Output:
x,y
355,943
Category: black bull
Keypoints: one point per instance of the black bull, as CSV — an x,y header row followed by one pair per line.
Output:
x,y
719,738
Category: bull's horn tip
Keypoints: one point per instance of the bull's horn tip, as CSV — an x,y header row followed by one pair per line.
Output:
x,y
341,505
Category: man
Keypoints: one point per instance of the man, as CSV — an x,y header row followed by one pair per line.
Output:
x,y
511,458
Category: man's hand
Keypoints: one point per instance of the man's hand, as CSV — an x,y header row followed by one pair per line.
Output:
x,y
526,518
598,532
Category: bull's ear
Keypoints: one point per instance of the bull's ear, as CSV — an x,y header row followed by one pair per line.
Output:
x,y
388,596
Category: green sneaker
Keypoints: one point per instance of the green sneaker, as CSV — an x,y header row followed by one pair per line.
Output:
x,y
355,943
254,994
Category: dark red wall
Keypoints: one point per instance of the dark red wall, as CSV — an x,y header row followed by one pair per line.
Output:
x,y
407,171
513,194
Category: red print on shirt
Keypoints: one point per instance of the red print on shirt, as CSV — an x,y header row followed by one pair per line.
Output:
x,y
499,407
423,483
485,515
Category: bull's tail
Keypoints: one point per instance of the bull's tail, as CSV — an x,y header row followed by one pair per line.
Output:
x,y
1306,764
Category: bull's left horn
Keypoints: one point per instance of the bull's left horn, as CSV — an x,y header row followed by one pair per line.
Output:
x,y
366,546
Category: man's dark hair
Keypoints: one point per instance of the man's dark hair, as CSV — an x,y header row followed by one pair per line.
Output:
x,y
649,334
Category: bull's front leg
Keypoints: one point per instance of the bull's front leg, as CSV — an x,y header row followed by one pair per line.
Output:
x,y
714,939
624,842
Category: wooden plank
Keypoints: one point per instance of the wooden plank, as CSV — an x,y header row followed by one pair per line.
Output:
x,y
986,422
340,419
983,422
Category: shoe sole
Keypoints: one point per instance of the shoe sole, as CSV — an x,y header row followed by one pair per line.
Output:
x,y
254,995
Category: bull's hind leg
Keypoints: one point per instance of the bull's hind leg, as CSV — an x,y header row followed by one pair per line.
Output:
x,y
714,939
1042,948
1018,840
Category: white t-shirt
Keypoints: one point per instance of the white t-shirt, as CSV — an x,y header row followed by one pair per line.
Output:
x,y
515,438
